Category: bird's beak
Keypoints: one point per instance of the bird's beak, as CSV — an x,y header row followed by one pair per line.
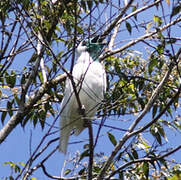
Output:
x,y
95,39
98,39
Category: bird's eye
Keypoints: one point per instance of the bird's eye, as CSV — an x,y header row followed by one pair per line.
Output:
x,y
84,43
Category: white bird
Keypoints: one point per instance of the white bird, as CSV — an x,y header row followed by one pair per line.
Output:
x,y
90,80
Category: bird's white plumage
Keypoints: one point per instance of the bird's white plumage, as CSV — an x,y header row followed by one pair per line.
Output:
x,y
90,80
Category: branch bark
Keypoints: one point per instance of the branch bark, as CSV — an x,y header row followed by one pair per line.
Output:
x,y
22,112
130,132
135,41
144,160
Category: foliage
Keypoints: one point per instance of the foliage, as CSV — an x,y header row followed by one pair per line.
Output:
x,y
142,61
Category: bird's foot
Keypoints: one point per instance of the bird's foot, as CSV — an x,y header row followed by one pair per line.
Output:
x,y
86,122
82,110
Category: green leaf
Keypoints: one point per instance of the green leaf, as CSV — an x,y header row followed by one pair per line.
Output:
x,y
34,118
7,77
17,99
154,111
83,5
84,154
128,27
146,169
130,156
153,62
175,177
162,132
134,153
25,4
25,120
81,172
67,171
33,178
112,138
134,9
160,49
41,77
42,117
13,165
121,175
96,169
158,138
155,132
171,41
11,79
22,164
3,116
49,108
90,4
17,169
23,79
11,178
9,107
158,20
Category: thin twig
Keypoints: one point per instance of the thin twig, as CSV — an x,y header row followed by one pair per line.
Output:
x,y
18,116
130,132
56,177
113,24
135,41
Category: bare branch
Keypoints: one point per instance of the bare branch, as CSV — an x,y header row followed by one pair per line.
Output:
x,y
113,24
56,177
133,42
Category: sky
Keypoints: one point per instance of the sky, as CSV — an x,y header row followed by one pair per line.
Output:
x,y
23,141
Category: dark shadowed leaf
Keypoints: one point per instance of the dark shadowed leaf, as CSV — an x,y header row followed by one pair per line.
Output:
x,y
152,64
112,138
90,4
134,153
9,107
146,169
154,111
128,27
176,10
3,116
81,172
84,154
83,5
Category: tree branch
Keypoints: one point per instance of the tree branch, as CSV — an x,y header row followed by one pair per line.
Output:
x,y
113,24
144,160
135,41
129,133
18,116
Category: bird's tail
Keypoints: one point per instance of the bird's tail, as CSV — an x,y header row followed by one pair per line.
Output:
x,y
65,131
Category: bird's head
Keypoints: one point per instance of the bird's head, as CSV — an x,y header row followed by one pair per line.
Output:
x,y
92,46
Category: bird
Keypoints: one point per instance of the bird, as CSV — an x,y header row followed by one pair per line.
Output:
x,y
89,79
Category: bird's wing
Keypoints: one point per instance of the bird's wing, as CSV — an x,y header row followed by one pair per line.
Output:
x,y
90,79
69,109
65,127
